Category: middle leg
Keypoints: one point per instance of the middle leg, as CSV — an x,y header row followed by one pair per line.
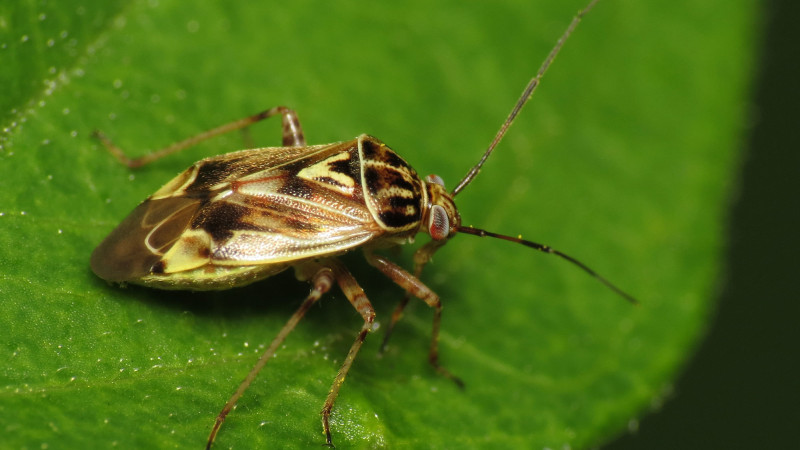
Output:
x,y
321,281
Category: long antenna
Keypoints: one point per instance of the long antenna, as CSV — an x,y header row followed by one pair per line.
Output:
x,y
546,249
526,95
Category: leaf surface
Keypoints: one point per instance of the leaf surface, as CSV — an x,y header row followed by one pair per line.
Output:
x,y
625,160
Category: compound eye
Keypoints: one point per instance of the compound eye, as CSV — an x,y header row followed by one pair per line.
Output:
x,y
435,179
439,223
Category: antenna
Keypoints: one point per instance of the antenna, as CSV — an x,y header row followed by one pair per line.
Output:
x,y
546,249
523,99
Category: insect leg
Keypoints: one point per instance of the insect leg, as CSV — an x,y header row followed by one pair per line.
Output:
x,y
413,286
397,314
421,258
361,303
292,136
321,282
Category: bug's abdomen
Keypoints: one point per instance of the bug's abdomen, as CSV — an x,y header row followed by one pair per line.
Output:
x,y
392,188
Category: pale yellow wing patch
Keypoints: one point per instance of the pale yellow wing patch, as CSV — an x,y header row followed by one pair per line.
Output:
x,y
322,173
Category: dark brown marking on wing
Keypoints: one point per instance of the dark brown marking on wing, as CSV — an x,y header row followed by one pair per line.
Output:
x,y
296,166
158,267
221,219
352,170
210,173
349,167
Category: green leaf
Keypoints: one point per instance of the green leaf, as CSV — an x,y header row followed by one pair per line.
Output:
x,y
624,160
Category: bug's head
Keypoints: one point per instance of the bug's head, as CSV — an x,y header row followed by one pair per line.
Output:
x,y
441,219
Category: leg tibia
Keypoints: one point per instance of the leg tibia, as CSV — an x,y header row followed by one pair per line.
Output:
x,y
320,284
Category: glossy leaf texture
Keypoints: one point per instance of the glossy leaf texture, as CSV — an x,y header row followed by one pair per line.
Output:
x,y
625,159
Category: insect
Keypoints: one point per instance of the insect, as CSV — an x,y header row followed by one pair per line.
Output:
x,y
237,218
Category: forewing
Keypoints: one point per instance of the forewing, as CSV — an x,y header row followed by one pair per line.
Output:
x,y
254,207
279,228
308,207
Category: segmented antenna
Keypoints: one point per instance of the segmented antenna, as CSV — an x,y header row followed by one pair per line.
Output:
x,y
523,99
547,249
526,95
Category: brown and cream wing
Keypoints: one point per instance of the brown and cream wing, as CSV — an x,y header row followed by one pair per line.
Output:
x,y
244,208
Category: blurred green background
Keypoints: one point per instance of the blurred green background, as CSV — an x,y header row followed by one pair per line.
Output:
x,y
742,388
629,158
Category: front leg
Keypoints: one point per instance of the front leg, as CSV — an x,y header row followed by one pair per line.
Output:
x,y
321,279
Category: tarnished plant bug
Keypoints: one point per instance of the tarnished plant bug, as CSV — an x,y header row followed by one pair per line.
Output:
x,y
237,218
